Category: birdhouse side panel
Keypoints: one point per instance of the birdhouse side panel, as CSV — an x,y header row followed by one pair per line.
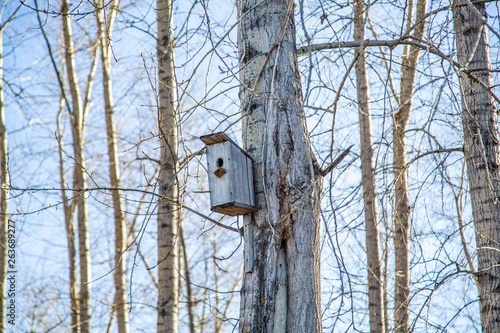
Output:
x,y
219,173
250,182
241,178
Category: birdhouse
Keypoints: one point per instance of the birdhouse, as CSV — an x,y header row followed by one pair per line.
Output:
x,y
230,177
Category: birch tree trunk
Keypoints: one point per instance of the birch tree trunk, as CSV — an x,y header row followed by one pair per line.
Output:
x,y
375,287
105,36
482,153
79,172
4,197
168,214
402,204
282,294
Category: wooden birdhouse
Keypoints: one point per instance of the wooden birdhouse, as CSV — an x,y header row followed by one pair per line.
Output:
x,y
230,178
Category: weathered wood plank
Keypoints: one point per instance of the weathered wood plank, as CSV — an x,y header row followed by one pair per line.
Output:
x,y
248,236
230,176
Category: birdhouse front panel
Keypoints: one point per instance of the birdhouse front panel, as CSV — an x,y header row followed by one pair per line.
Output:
x,y
219,173
229,176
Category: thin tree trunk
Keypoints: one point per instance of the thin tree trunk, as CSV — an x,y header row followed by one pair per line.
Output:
x,y
187,274
402,203
79,173
168,214
4,197
70,235
105,33
203,318
282,294
385,275
482,154
375,288
216,287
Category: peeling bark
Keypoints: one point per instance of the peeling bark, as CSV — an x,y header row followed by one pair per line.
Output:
x,y
287,179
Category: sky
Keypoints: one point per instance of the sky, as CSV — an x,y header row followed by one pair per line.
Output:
x,y
208,90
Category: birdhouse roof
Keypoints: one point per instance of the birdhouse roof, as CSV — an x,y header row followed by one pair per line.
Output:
x,y
220,137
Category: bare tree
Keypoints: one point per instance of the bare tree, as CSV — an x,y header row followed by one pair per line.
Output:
x,y
168,213
4,179
69,220
402,203
187,277
482,152
375,288
69,202
282,294
79,181
105,27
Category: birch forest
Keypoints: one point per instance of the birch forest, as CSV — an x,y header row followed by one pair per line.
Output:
x,y
371,127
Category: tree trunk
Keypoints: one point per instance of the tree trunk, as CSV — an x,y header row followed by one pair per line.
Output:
x,y
375,287
168,214
402,204
282,294
482,154
70,235
105,33
189,294
216,309
4,197
79,173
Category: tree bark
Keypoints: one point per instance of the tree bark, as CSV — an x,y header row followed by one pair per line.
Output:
x,y
4,196
375,279
189,294
77,126
168,214
482,154
402,204
70,235
282,294
120,271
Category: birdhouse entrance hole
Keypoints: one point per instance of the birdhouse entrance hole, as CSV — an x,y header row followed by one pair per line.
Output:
x,y
220,162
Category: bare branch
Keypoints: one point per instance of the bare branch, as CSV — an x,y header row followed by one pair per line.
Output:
x,y
336,162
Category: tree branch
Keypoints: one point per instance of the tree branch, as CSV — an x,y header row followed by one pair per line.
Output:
x,y
336,162
192,210
393,43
